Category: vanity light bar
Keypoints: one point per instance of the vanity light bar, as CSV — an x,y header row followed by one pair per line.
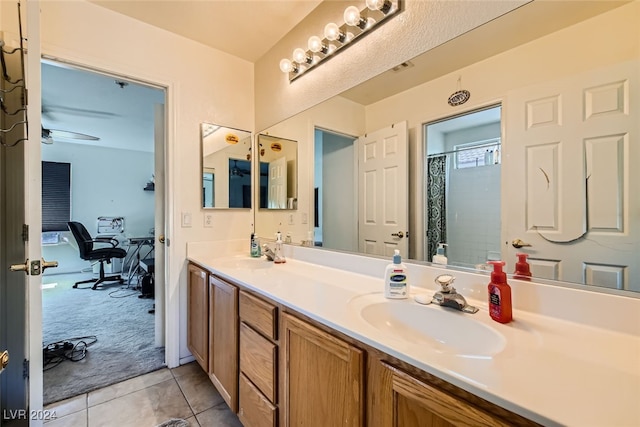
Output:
x,y
358,22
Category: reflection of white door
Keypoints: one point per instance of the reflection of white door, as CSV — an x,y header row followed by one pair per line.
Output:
x,y
577,193
383,219
277,196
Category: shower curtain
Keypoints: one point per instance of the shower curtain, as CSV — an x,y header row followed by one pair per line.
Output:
x,y
436,203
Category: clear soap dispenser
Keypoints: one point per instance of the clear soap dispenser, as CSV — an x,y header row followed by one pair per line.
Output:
x,y
278,254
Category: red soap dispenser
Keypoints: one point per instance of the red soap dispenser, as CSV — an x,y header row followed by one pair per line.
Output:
x,y
499,294
523,270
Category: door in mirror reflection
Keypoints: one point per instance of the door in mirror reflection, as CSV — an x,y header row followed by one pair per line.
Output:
x,y
278,165
463,172
577,214
372,170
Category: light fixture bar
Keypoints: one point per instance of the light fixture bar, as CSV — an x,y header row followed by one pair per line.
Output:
x,y
338,37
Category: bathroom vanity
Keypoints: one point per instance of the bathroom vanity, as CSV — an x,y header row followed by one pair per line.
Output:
x,y
307,343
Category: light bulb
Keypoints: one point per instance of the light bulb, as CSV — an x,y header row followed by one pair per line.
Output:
x,y
300,56
352,16
286,66
332,32
382,5
315,45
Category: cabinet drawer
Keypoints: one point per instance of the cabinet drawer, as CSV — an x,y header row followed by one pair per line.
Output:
x,y
255,409
258,358
261,315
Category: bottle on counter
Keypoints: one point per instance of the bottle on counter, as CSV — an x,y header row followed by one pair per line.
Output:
x,y
255,246
278,254
395,278
499,294
439,257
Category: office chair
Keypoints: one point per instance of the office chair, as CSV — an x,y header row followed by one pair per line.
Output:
x,y
102,255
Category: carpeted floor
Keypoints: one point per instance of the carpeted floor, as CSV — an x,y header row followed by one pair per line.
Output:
x,y
119,320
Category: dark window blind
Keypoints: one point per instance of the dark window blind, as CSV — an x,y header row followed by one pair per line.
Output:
x,y
56,196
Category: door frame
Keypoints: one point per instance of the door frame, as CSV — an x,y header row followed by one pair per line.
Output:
x,y
171,307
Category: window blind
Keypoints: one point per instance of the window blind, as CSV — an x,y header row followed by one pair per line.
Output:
x,y
56,196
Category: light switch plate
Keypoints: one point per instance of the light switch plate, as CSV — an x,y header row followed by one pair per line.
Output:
x,y
305,218
186,219
290,219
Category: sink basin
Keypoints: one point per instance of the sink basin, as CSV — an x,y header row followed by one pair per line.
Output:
x,y
442,329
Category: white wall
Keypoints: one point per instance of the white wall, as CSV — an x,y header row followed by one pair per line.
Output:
x,y
104,182
203,85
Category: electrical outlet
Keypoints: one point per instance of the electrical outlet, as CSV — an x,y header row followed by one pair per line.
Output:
x,y
208,220
305,218
290,219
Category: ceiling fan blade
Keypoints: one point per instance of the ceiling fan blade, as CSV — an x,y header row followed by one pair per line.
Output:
x,y
52,109
71,135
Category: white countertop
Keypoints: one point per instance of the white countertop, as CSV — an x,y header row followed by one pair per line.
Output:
x,y
552,371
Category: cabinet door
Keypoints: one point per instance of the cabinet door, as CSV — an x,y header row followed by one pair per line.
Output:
x,y
198,315
323,378
223,339
404,401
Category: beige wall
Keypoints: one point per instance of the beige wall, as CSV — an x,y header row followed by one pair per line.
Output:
x,y
204,85
421,26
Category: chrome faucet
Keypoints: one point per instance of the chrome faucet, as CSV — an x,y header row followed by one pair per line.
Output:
x,y
448,297
268,252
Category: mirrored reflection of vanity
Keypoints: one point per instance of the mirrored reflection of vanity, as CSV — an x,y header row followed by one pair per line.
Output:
x,y
603,37
226,167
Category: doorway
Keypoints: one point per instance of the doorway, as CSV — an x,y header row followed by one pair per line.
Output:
x,y
463,168
335,212
103,128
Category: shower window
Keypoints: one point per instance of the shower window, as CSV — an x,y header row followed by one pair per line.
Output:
x,y
478,153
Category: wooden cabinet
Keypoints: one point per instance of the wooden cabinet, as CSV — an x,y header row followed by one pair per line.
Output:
x,y
223,339
411,402
258,362
397,399
198,315
323,381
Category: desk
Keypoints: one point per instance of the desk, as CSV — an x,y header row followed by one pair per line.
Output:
x,y
133,253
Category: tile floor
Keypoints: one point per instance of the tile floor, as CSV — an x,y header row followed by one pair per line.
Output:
x,y
184,392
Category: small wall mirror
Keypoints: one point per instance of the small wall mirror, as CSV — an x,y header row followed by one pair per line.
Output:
x,y
226,167
278,183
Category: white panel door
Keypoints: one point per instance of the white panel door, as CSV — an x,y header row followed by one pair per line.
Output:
x,y
277,196
383,191
23,230
578,139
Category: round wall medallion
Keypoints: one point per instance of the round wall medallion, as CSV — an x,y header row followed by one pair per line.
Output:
x,y
459,97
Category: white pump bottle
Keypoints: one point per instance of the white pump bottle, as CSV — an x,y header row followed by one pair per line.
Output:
x,y
439,257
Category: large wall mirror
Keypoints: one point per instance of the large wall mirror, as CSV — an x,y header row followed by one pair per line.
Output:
x,y
226,167
278,165
541,159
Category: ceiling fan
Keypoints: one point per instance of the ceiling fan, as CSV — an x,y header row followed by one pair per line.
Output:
x,y
236,172
49,134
